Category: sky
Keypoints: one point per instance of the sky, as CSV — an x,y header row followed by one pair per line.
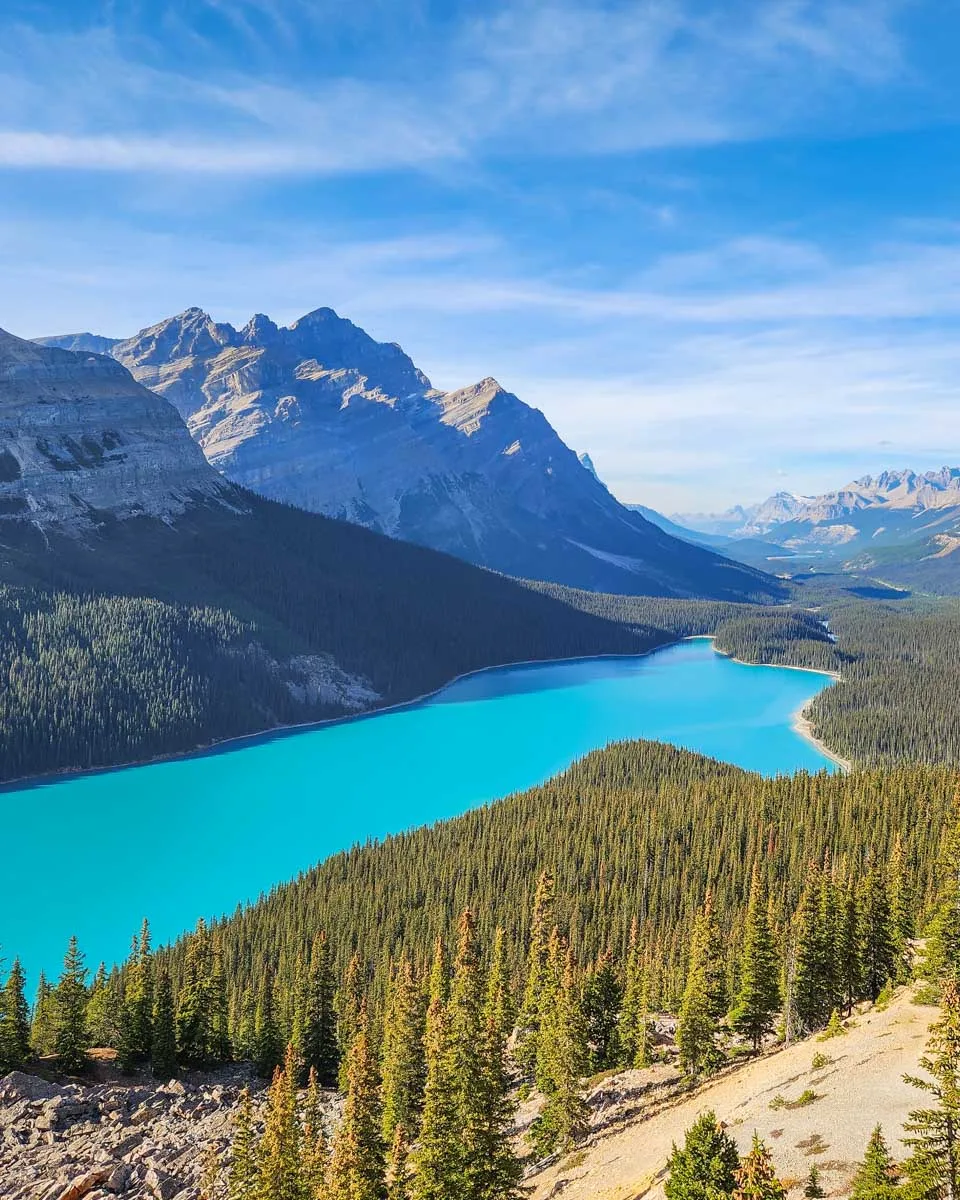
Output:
x,y
718,244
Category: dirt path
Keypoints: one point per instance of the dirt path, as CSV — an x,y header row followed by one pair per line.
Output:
x,y
861,1087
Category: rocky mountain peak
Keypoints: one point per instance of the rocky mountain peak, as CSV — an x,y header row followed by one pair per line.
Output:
x,y
80,438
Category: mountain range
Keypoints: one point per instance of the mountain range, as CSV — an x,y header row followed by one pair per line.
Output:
x,y
903,524
319,415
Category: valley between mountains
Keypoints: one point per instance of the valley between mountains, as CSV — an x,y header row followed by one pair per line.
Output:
x,y
652,971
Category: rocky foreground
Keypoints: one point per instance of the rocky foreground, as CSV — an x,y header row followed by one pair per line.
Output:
x,y
139,1141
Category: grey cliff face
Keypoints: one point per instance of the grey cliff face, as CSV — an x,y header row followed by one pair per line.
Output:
x,y
80,438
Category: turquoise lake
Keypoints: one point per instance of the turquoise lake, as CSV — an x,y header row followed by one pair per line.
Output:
x,y
195,836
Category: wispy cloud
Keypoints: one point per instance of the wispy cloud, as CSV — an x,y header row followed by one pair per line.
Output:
x,y
558,78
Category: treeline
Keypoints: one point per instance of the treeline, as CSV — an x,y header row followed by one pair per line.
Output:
x,y
433,1072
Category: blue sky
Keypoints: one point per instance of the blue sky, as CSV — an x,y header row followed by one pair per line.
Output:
x,y
718,244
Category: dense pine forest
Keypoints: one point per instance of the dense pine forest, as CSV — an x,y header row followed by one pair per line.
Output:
x,y
437,977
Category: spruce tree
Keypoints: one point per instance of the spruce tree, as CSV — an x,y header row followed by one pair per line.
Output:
x,y
100,1027
136,1032
14,1021
316,1154
810,993
268,1037
878,949
279,1158
542,922
902,905
813,1189
704,996
942,953
877,1177
503,1172
758,996
402,1068
933,1168
245,1039
242,1176
602,1003
196,1003
562,1057
705,1169
318,1046
163,1049
634,1025
436,1156
70,1015
43,1023
851,967
350,1000
756,1178
356,1170
399,1173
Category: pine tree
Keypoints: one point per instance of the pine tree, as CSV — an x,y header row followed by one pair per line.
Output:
x,y
242,1178
758,998
100,1030
316,1155
812,971
851,967
356,1170
70,1019
163,1049
403,1057
279,1160
245,1036
318,1045
196,1003
878,950
562,1057
503,1171
756,1178
602,1002
43,1025
934,1166
634,1026
136,1032
942,954
813,1189
14,1021
704,996
399,1175
486,1168
436,1156
350,1000
269,1039
705,1169
541,924
877,1177
902,904
831,940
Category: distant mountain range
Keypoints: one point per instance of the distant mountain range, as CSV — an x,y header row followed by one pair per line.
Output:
x,y
320,415
904,525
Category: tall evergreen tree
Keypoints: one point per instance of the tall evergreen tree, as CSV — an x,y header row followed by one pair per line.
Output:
x,y
163,1049
101,1029
811,989
70,1015
14,1021
399,1174
562,1057
542,922
357,1167
403,1054
196,1003
877,1177
136,1022
602,1004
268,1036
878,949
437,1156
634,1025
705,1169
942,953
851,967
242,1177
758,997
503,1171
43,1023
279,1158
704,996
318,1045
933,1168
316,1155
902,905
350,1000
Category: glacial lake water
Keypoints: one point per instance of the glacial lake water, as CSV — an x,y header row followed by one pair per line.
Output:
x,y
176,840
